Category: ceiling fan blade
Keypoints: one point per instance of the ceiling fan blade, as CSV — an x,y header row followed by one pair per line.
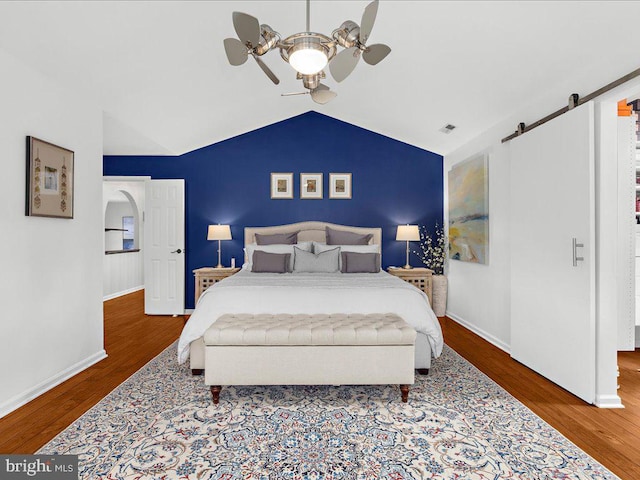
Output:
x,y
321,94
368,19
376,53
267,70
291,94
344,63
247,28
236,51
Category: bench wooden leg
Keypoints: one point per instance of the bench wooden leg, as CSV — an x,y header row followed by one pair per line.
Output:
x,y
197,371
423,371
215,393
404,389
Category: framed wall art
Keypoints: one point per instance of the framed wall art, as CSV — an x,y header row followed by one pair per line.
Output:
x,y
311,185
49,180
340,185
469,210
282,185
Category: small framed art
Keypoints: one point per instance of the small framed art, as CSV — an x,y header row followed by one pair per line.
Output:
x,y
282,185
49,180
311,185
340,185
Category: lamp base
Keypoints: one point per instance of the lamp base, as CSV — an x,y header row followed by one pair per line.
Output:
x,y
219,266
407,266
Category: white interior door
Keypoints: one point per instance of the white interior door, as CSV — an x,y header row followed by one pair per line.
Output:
x,y
164,247
552,209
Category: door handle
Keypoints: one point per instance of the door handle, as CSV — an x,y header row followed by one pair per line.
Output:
x,y
576,258
177,251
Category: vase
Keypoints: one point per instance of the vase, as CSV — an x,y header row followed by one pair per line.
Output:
x,y
439,294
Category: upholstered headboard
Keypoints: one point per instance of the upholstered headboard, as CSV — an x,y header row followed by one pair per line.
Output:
x,y
310,231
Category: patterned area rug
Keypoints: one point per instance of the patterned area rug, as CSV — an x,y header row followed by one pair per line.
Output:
x,y
458,424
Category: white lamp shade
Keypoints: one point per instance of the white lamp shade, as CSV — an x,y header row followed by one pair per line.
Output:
x,y
408,233
219,232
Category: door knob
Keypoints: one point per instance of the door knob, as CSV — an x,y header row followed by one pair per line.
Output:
x,y
177,251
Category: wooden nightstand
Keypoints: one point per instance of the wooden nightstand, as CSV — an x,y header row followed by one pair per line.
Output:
x,y
207,276
419,277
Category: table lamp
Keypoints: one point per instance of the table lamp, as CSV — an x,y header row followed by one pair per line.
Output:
x,y
219,232
408,233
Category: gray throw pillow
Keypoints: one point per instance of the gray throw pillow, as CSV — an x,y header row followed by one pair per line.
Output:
x,y
353,262
264,262
277,239
339,237
307,262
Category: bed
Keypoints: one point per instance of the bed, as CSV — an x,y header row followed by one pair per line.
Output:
x,y
312,293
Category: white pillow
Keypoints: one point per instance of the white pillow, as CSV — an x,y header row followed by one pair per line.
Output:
x,y
321,247
277,248
309,262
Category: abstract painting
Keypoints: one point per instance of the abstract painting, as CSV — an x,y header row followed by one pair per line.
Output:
x,y
469,211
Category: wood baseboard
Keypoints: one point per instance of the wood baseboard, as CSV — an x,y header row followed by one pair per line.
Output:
x,y
122,293
28,395
608,401
481,333
131,340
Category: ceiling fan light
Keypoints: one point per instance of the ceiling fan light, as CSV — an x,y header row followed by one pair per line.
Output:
x,y
307,56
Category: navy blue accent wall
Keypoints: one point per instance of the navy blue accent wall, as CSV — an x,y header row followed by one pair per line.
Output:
x,y
229,182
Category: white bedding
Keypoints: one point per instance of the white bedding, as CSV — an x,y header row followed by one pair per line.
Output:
x,y
327,293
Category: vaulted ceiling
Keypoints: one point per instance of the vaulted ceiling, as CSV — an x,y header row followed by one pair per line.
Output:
x,y
159,71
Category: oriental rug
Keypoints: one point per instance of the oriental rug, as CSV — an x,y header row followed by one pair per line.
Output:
x,y
458,424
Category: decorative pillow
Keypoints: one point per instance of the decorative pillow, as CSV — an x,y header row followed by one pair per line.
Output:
x,y
353,262
325,262
264,262
339,237
320,247
278,238
252,247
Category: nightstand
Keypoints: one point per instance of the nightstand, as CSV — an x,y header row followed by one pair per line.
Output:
x,y
419,277
207,276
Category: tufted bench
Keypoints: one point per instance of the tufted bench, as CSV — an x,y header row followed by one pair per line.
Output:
x,y
342,349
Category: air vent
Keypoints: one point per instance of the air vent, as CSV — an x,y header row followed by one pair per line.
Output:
x,y
448,128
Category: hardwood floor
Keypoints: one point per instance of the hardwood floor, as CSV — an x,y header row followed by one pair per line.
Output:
x,y
611,436
132,339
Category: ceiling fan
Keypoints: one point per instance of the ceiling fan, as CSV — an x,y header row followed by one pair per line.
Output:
x,y
308,52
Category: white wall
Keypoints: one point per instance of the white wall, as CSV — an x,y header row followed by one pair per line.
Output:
x,y
479,294
124,272
113,219
50,282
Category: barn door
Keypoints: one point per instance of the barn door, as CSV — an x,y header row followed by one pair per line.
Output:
x,y
553,251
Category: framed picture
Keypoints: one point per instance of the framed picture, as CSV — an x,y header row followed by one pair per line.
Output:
x,y
340,185
469,210
49,180
282,185
311,185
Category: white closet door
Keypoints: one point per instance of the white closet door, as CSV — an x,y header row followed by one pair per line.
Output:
x,y
552,209
164,247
